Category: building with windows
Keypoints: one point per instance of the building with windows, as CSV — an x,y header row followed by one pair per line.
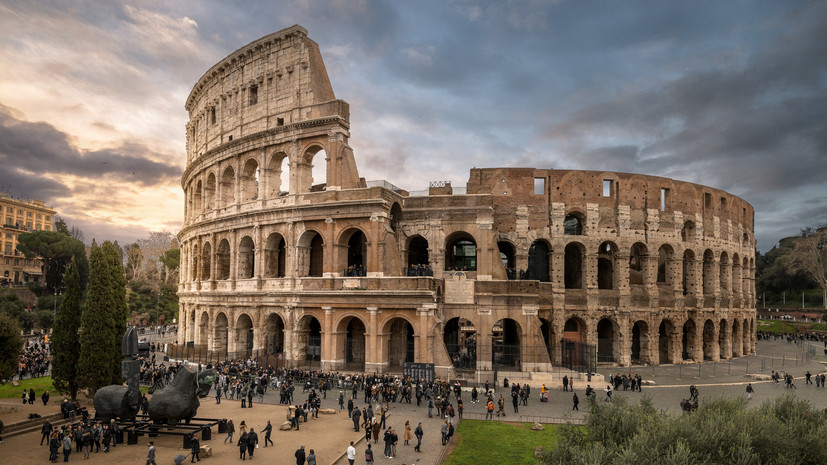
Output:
x,y
17,217
287,253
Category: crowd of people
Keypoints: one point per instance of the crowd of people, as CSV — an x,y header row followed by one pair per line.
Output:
x,y
35,359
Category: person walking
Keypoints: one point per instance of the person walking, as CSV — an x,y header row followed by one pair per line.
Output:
x,y
311,457
54,445
195,448
750,390
408,435
444,431
242,445
300,456
252,442
368,455
351,453
230,431
574,402
150,454
418,433
45,431
267,431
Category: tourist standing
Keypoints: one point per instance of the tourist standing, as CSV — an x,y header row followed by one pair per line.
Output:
x,y
311,457
300,456
351,453
150,454
418,433
749,391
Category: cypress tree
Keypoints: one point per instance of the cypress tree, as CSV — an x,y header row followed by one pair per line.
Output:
x,y
65,339
10,346
103,322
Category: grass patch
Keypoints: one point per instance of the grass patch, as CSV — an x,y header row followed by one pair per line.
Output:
x,y
775,326
7,391
491,442
818,327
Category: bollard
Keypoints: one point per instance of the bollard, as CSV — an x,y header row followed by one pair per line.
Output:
x,y
713,369
206,434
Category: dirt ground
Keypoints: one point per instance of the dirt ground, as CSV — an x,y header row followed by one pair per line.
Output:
x,y
328,435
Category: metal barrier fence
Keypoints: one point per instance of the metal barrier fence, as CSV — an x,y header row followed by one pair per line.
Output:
x,y
525,418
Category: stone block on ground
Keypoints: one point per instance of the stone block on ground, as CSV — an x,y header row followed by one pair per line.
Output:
x,y
327,411
538,452
758,376
648,382
206,451
538,427
286,426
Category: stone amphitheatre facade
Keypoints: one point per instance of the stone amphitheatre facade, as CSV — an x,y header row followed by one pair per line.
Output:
x,y
525,270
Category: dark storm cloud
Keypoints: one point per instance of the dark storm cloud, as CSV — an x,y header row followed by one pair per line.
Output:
x,y
28,148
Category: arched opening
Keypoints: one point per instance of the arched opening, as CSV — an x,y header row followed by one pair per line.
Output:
x,y
278,175
576,354
461,253
227,187
547,331
274,336
723,343
246,258
206,260
460,338
505,344
709,339
689,340
637,258
243,337
688,272
203,329
401,346
209,193
507,258
308,339
709,273
665,254
417,255
688,231
640,342
396,216
605,265
573,224
199,199
723,272
222,256
352,345
275,256
318,167
606,340
665,342
574,266
357,252
249,180
538,261
220,339
194,265
311,254
736,339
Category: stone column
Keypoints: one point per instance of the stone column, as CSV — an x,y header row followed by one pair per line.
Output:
x,y
372,352
623,346
183,326
421,353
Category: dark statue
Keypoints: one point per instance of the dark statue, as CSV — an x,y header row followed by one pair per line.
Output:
x,y
206,379
178,400
118,401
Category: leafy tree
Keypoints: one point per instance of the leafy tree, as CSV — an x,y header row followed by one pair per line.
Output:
x,y
134,262
45,318
65,338
10,346
171,259
12,306
809,256
56,250
27,321
103,322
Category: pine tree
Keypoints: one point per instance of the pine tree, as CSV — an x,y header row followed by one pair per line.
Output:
x,y
103,322
65,339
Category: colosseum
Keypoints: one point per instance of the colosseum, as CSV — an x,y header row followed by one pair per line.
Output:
x,y
287,254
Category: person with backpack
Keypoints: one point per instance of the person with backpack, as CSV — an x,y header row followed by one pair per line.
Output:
x,y
242,445
368,455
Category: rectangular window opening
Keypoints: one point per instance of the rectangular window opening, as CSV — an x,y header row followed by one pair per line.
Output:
x,y
212,115
607,188
723,203
253,95
279,121
664,199
707,200
539,186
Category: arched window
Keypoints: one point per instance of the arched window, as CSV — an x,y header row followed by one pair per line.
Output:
x,y
507,258
275,256
357,252
223,257
246,258
573,224
574,266
249,181
198,205
209,193
461,253
417,251
605,265
538,261
278,175
227,187
206,262
688,231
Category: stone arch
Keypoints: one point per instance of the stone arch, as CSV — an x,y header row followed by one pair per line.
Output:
x,y
311,254
574,269
194,265
724,347
417,251
638,254
353,251
538,255
246,258
573,224
689,270
709,273
209,193
206,262
688,231
507,257
308,340
460,338
275,256
198,201
227,187
460,252
506,336
608,340
278,175
203,329
574,329
250,175
222,256
606,264
396,216
221,334
709,340
666,342
274,335
723,272
244,336
737,346
640,343
690,340
350,342
312,172
665,255
400,340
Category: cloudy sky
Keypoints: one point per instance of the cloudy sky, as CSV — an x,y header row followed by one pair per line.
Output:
x,y
729,94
